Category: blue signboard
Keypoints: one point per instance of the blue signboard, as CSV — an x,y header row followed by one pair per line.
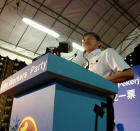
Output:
x,y
127,104
33,111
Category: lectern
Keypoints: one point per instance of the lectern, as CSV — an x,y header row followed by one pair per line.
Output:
x,y
53,94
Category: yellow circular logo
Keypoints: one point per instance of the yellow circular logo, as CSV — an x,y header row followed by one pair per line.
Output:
x,y
27,124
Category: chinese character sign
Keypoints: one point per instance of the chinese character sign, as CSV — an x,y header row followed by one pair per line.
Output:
x,y
127,103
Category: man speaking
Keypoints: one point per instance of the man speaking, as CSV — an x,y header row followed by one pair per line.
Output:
x,y
108,64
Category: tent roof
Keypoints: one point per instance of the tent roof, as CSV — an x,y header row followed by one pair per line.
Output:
x,y
113,20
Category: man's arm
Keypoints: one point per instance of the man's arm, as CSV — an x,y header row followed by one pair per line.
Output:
x,y
121,76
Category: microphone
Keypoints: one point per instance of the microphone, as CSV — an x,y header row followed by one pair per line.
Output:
x,y
72,57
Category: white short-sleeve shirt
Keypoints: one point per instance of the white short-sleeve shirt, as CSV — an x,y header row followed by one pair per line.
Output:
x,y
106,63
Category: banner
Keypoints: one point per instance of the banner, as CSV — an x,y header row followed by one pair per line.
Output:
x,y
33,111
127,104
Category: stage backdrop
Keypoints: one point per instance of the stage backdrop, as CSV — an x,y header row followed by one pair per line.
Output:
x,y
127,104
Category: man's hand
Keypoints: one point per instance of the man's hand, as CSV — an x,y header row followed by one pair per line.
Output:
x,y
121,76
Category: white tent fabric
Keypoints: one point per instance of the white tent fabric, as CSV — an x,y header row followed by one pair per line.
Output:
x,y
113,20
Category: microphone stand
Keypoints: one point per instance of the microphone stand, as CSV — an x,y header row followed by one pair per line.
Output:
x,y
87,67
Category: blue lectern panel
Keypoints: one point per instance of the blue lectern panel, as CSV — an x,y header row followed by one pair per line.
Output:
x,y
74,110
37,105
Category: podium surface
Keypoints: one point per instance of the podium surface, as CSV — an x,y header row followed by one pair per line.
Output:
x,y
54,94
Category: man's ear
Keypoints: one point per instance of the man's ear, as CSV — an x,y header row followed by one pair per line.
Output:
x,y
99,44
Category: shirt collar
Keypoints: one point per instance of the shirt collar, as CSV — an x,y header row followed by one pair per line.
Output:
x,y
93,53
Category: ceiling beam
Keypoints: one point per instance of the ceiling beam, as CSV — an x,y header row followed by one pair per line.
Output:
x,y
53,24
3,6
124,12
28,25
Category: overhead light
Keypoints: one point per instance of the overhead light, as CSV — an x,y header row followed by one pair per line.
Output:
x,y
40,27
77,46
